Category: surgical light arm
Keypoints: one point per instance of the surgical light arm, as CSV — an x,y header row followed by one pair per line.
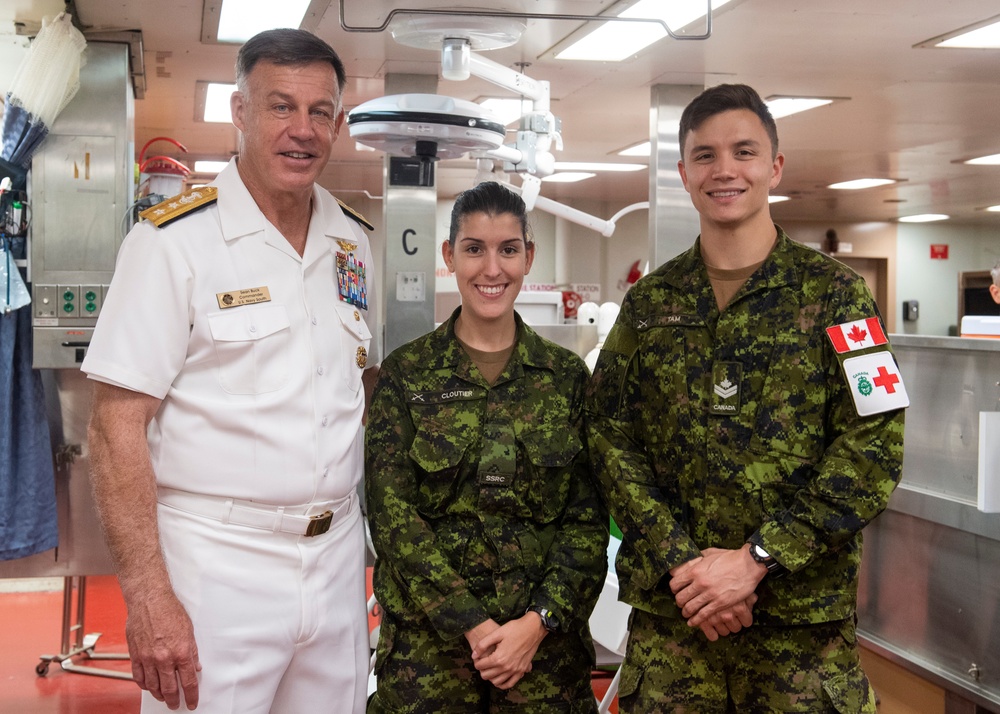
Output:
x,y
531,153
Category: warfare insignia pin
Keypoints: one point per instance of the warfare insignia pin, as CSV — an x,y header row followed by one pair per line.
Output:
x,y
362,357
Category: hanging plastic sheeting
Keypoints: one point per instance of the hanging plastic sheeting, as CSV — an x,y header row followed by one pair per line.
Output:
x,y
47,79
27,478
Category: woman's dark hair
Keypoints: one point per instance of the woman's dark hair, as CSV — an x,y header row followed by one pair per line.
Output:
x,y
286,46
492,199
723,98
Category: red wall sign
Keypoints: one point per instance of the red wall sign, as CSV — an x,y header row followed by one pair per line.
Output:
x,y
939,251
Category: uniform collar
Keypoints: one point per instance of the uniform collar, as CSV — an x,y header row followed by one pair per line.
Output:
x,y
447,352
687,272
327,224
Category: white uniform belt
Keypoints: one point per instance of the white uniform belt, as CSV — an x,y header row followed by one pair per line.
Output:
x,y
311,519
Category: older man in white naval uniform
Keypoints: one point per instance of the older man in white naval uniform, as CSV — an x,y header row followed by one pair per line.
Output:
x,y
229,360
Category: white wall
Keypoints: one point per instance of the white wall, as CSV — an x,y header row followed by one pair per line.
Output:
x,y
935,282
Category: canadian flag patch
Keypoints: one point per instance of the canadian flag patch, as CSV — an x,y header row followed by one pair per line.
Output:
x,y
857,335
875,383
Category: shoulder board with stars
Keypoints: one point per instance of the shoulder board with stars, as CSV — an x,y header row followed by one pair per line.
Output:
x,y
356,216
180,205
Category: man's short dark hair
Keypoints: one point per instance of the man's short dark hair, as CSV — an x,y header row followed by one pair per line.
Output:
x,y
723,98
287,47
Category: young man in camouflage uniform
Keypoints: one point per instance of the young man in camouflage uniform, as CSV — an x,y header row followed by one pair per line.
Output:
x,y
746,425
490,534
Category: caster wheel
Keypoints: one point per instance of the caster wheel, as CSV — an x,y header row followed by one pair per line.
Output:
x,y
42,668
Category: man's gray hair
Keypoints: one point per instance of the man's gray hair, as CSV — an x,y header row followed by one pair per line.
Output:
x,y
995,273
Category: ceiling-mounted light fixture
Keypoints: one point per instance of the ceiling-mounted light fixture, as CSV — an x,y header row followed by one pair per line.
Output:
x,y
924,218
597,166
857,184
236,21
616,41
991,160
207,166
643,148
212,102
981,35
783,106
568,177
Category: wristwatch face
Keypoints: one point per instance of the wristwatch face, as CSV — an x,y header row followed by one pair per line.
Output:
x,y
549,622
759,554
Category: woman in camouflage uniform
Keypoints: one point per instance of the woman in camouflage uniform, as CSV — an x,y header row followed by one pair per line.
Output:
x,y
489,532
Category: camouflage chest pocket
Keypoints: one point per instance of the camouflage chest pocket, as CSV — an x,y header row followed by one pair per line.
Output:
x,y
439,456
792,399
549,452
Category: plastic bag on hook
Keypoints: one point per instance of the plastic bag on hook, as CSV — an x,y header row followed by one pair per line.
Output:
x,y
13,292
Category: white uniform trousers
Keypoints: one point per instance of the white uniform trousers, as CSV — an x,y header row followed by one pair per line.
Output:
x,y
280,620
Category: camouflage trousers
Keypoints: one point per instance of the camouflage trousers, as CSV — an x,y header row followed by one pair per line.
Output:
x,y
672,668
420,673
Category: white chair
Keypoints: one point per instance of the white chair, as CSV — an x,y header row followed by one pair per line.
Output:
x,y
609,627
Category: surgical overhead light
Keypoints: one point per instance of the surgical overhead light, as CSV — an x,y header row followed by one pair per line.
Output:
x,y
396,123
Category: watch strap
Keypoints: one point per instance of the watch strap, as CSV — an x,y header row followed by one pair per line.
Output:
x,y
549,621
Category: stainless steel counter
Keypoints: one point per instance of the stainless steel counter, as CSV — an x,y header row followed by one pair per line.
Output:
x,y
930,586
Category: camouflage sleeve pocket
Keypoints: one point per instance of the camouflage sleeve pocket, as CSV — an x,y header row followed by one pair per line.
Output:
x,y
851,692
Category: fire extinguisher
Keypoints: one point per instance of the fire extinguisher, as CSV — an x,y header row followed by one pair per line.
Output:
x,y
634,273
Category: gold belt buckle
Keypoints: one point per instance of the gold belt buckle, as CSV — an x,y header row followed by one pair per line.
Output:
x,y
318,525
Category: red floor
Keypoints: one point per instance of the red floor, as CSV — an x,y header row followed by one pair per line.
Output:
x,y
31,624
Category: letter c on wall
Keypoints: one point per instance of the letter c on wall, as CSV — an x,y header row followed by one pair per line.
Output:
x,y
406,249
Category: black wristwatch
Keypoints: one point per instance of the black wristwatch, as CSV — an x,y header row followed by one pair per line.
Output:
x,y
760,555
549,621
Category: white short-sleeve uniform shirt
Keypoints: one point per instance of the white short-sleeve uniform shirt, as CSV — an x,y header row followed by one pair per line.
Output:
x,y
260,401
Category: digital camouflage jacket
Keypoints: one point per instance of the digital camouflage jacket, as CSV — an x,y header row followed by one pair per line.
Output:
x,y
480,498
710,429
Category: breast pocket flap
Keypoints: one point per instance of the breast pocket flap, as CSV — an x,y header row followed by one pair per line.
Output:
x,y
249,324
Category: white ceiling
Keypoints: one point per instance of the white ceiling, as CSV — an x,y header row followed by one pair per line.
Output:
x,y
912,114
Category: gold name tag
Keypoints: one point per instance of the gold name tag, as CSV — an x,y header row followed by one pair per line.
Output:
x,y
247,296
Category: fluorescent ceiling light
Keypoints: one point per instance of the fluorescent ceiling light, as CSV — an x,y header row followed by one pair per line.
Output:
x,y
614,41
507,110
983,35
991,160
643,149
568,177
776,199
596,166
209,167
786,106
861,183
217,102
994,209
924,218
242,19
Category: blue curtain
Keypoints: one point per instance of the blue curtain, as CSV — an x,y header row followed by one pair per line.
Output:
x,y
27,479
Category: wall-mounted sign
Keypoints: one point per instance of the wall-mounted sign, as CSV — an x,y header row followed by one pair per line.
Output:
x,y
939,251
